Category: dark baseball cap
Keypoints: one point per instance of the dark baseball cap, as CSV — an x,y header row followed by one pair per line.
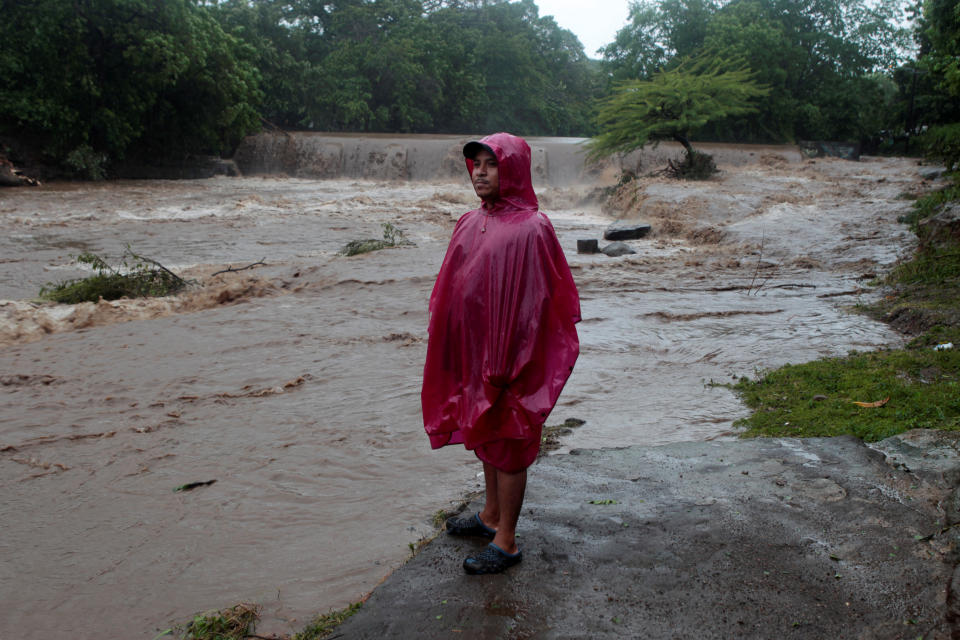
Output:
x,y
472,148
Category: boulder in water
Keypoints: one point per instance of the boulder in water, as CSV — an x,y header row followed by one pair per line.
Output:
x,y
626,230
617,249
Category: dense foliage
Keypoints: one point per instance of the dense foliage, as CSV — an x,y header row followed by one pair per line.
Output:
x,y
824,61
935,107
91,82
416,66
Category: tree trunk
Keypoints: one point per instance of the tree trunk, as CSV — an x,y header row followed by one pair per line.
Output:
x,y
682,139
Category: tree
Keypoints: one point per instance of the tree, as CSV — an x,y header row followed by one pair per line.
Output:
x,y
823,60
672,105
96,79
940,63
817,56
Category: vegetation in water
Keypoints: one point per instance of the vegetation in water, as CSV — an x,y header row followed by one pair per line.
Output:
x,y
135,277
323,625
235,623
673,105
392,237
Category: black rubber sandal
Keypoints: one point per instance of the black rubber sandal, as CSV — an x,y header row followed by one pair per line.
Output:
x,y
493,559
469,526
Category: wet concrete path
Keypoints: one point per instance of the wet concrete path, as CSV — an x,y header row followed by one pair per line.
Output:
x,y
768,538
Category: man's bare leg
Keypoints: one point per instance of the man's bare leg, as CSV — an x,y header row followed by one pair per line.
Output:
x,y
490,515
504,500
510,491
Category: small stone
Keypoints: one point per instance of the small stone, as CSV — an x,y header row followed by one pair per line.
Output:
x,y
617,249
818,397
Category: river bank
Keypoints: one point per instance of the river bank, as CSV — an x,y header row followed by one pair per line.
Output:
x,y
299,394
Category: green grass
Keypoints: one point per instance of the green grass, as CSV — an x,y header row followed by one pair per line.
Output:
x,y
324,625
927,205
920,383
817,398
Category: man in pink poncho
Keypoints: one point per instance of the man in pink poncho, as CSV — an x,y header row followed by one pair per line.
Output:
x,y
502,340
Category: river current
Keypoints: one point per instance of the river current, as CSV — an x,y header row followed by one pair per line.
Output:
x,y
294,385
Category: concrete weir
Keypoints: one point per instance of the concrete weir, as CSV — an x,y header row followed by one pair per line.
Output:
x,y
431,157
394,157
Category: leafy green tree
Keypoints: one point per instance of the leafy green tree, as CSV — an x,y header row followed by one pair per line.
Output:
x,y
673,104
817,56
269,28
471,65
823,60
939,65
94,79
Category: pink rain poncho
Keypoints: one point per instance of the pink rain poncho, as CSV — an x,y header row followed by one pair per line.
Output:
x,y
502,315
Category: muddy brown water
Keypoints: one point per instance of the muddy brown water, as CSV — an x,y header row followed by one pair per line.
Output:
x,y
295,385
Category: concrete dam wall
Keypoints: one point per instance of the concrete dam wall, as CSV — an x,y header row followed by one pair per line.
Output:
x,y
431,157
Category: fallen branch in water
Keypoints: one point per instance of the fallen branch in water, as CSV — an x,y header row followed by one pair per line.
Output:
x,y
136,277
232,270
190,486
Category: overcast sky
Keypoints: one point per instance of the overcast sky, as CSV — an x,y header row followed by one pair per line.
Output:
x,y
595,22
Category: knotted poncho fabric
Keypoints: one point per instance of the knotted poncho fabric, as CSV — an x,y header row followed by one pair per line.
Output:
x,y
502,315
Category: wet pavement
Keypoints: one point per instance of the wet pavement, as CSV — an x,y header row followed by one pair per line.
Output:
x,y
767,538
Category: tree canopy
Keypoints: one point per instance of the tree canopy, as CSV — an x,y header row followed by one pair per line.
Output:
x,y
93,77
95,81
412,66
822,59
936,106
673,104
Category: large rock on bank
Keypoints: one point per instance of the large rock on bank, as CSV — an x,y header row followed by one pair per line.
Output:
x,y
817,538
626,230
943,227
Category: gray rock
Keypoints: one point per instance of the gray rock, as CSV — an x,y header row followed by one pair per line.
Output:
x,y
933,455
931,173
626,230
943,226
617,249
588,246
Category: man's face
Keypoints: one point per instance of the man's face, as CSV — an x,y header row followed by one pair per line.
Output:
x,y
485,176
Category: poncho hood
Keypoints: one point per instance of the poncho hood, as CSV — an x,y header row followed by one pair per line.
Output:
x,y
513,160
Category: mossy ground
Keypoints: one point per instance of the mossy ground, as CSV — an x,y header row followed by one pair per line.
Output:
x,y
920,384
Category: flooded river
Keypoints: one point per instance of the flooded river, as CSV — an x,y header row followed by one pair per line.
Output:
x,y
295,384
